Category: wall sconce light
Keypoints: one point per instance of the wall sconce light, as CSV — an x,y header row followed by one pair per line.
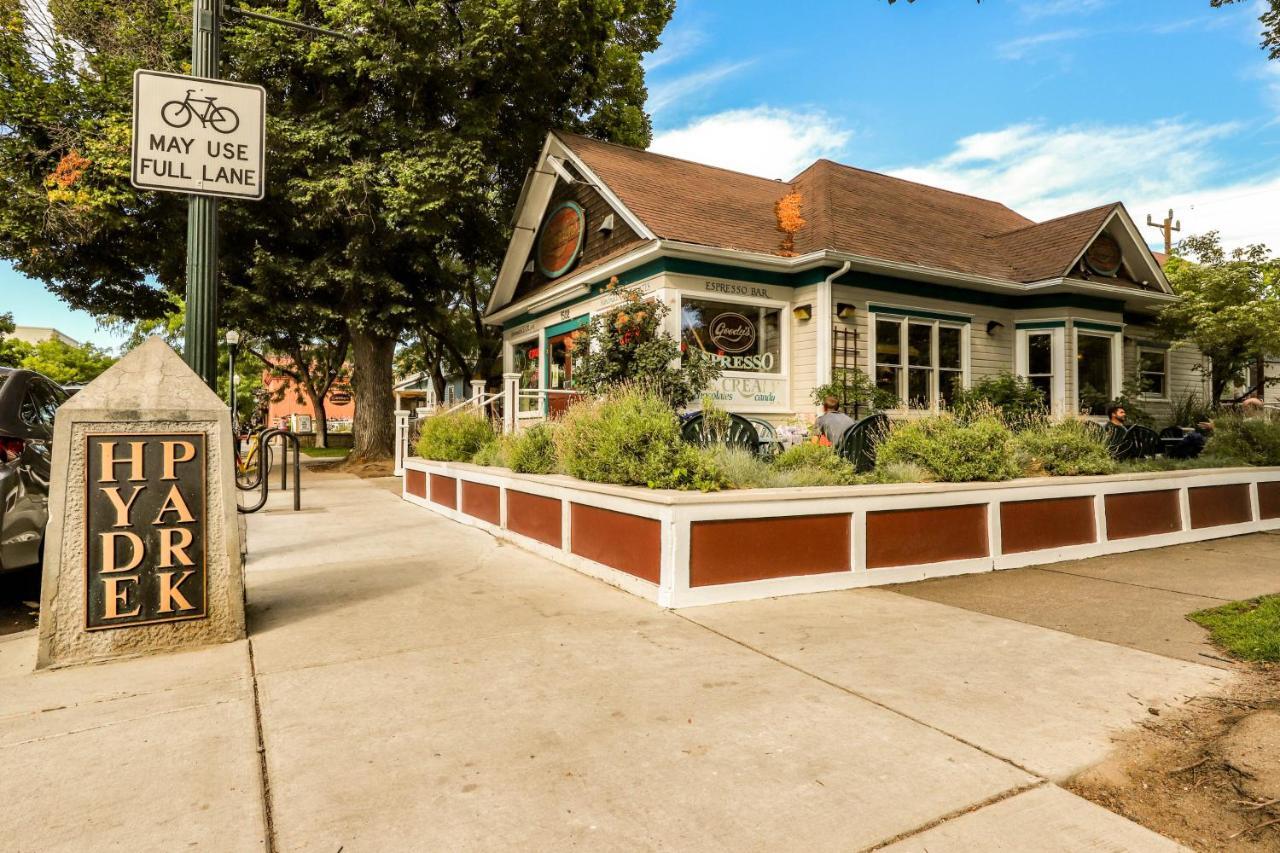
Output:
x,y
992,325
802,312
844,310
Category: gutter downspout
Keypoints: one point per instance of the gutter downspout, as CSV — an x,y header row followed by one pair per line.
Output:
x,y
824,317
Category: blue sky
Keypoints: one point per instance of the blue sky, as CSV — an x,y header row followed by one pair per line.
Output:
x,y
1049,106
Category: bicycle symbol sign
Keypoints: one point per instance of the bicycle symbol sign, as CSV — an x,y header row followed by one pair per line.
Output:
x,y
180,113
195,135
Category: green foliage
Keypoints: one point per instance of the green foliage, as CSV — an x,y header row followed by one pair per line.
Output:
x,y
900,472
454,437
490,454
740,468
1014,397
627,344
11,349
694,469
631,436
1252,441
532,451
1250,630
1064,448
716,421
854,389
65,364
815,464
1229,305
952,450
1189,409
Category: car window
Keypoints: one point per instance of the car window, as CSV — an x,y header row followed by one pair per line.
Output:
x,y
29,411
49,398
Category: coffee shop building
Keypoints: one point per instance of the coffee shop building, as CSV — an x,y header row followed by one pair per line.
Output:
x,y
794,284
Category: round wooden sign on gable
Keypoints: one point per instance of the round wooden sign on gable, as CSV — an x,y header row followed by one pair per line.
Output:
x,y
560,241
1104,256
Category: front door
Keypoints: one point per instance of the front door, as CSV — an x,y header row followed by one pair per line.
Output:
x,y
559,375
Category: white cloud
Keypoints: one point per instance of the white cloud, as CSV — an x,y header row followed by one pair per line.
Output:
x,y
1019,48
1043,172
1049,8
668,92
676,45
772,143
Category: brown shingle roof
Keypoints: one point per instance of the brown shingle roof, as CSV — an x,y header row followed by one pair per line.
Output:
x,y
845,209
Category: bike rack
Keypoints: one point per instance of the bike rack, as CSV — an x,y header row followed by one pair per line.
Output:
x,y
264,439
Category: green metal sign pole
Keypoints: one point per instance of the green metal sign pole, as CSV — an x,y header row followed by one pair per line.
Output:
x,y
201,339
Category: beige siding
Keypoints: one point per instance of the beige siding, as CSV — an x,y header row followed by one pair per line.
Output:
x,y
1188,371
804,350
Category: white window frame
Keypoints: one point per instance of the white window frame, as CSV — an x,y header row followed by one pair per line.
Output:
x,y
536,335
907,316
1022,362
1163,352
1117,360
783,376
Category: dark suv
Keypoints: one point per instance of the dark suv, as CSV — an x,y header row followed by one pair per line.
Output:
x,y
28,402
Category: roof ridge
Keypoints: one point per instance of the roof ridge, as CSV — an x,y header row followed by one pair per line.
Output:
x,y
646,151
1013,231
840,165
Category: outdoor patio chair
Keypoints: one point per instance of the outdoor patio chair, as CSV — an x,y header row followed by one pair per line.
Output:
x,y
858,443
769,443
1140,442
740,433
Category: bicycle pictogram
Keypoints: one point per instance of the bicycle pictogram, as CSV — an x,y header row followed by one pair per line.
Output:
x,y
180,113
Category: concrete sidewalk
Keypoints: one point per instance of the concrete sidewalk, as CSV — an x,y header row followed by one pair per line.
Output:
x,y
420,686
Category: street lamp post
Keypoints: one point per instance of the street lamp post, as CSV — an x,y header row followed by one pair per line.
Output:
x,y
201,345
233,343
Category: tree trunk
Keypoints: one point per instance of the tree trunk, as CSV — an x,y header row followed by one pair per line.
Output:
x,y
1261,368
374,428
318,417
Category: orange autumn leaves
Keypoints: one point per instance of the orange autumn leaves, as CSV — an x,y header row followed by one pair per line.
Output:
x,y
64,176
787,211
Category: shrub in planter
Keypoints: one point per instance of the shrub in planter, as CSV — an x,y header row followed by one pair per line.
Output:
x,y
1253,441
454,437
740,468
814,465
532,451
1014,397
1064,448
951,450
629,437
490,455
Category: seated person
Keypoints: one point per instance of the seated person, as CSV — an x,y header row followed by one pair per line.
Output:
x,y
1116,415
1192,443
1253,407
832,423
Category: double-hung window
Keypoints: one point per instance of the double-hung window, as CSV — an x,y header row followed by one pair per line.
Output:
x,y
919,360
1153,372
1038,357
1098,371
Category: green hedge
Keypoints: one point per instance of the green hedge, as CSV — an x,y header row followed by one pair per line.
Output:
x,y
454,437
951,450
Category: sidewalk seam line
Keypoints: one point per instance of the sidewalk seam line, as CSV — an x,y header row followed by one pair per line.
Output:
x,y
958,813
858,695
264,778
1047,568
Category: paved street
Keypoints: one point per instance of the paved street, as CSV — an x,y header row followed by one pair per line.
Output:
x,y
417,685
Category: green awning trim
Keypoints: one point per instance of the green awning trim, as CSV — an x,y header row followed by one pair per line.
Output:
x,y
1041,324
568,325
1097,327
872,308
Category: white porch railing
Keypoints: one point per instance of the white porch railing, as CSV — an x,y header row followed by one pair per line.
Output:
x,y
513,400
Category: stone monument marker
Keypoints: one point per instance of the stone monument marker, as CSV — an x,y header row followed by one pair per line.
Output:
x,y
142,552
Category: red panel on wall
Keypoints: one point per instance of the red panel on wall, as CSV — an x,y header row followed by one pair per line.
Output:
x,y
908,537
749,549
1142,514
481,501
1037,525
1269,500
534,516
628,543
444,491
1213,506
415,482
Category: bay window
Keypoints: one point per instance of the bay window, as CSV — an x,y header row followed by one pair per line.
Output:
x,y
919,359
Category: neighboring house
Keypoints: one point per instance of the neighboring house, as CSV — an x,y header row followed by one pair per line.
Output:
x,y
293,408
918,287
417,390
38,334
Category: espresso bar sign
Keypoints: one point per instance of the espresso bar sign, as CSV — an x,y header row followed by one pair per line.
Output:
x,y
145,529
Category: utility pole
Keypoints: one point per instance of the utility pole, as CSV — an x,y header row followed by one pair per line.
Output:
x,y
201,336
1168,227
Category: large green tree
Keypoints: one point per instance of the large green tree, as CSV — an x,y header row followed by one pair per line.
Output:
x,y
394,156
1230,305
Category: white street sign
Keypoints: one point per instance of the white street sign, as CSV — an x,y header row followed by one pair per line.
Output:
x,y
193,135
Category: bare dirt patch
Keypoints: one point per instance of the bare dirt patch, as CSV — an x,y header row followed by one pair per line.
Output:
x,y
1204,774
376,468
